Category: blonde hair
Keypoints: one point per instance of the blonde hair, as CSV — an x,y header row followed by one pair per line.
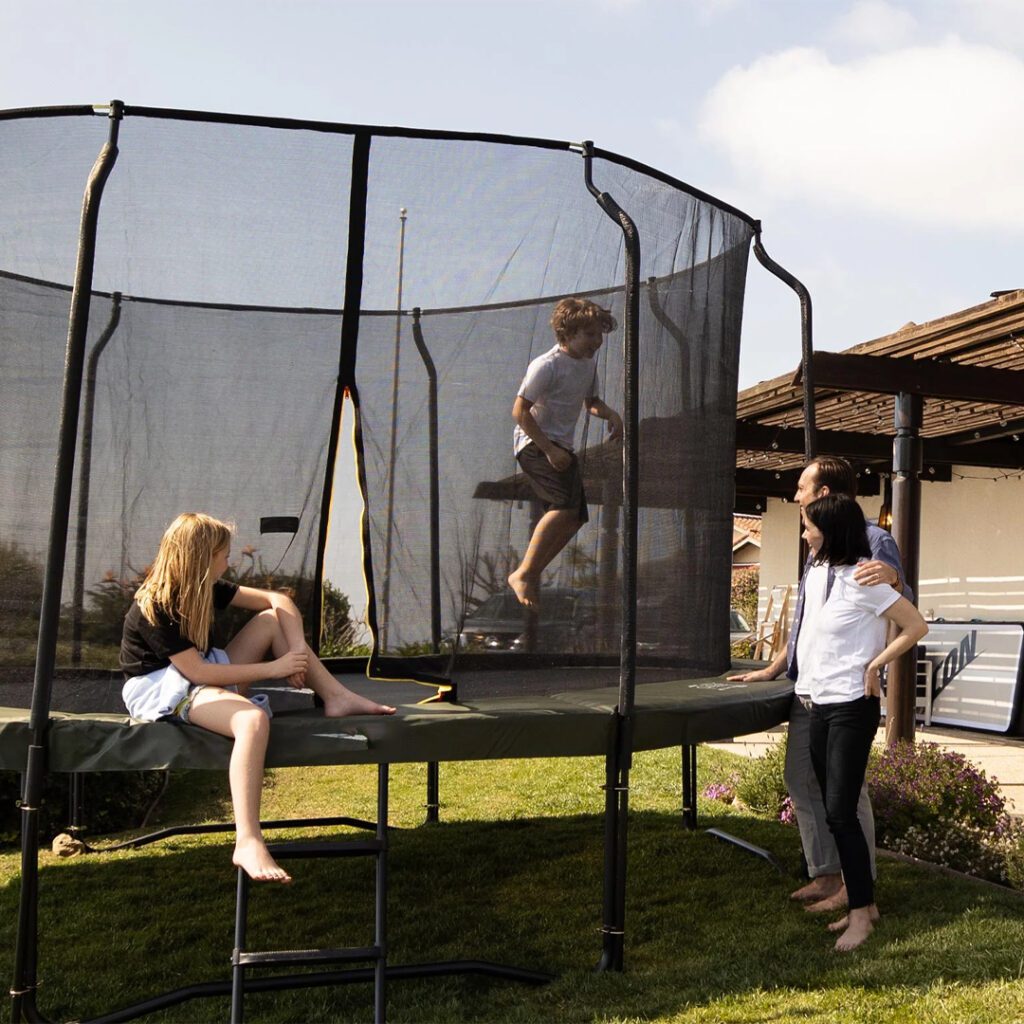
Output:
x,y
179,583
572,315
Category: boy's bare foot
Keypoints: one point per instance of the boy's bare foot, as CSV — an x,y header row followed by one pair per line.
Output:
x,y
340,705
861,925
524,588
818,889
253,857
837,901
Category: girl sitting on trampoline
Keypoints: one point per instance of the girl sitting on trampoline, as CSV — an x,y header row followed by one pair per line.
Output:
x,y
172,671
847,649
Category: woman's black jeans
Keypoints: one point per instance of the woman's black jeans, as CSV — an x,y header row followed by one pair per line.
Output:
x,y
841,738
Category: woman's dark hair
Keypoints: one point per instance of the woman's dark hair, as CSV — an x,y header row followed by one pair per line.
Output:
x,y
843,529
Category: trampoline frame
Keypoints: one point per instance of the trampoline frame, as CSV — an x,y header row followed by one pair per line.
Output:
x,y
619,757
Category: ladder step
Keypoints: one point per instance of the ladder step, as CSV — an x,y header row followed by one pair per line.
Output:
x,y
307,956
352,848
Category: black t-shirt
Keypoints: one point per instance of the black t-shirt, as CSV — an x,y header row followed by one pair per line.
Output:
x,y
146,648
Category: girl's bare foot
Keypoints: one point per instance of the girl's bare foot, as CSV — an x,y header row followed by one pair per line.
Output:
x,y
524,588
340,705
253,857
818,889
860,924
837,901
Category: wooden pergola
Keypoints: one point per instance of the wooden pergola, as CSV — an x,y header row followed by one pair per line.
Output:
x,y
904,407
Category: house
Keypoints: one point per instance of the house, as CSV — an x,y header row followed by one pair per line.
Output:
x,y
962,375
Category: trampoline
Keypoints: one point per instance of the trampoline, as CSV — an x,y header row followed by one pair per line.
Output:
x,y
243,294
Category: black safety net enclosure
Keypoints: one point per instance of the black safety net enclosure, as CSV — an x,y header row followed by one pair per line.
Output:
x,y
261,287
318,332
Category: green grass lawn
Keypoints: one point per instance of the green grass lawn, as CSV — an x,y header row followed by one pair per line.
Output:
x,y
513,874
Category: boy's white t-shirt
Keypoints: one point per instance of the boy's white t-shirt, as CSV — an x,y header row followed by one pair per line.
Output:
x,y
557,385
848,632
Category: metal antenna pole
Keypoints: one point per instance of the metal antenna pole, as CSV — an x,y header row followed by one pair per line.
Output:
x,y
393,449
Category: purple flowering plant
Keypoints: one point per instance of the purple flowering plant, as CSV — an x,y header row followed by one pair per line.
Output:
x,y
922,785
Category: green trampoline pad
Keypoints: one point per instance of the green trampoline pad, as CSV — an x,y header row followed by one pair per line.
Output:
x,y
570,724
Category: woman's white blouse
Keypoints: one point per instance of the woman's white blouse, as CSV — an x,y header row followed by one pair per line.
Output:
x,y
848,632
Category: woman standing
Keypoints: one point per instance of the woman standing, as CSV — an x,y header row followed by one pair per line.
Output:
x,y
845,654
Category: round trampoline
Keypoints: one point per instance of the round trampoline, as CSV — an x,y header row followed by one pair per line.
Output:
x,y
245,296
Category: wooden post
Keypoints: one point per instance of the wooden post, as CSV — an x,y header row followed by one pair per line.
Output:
x,y
906,530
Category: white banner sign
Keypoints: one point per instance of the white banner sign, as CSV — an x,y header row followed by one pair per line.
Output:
x,y
976,679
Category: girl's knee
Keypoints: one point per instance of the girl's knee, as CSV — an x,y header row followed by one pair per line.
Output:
x,y
250,722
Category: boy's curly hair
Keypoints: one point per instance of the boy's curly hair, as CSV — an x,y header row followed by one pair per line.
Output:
x,y
571,315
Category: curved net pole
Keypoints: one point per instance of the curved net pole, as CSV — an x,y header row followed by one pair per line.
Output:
x,y
618,762
84,474
23,987
807,346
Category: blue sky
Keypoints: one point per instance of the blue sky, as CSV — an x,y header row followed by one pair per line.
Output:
x,y
878,142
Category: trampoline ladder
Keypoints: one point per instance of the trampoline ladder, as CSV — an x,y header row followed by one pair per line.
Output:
x,y
243,959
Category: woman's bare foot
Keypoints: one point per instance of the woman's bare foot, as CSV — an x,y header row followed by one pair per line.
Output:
x,y
860,923
345,702
818,889
524,588
253,857
844,922
837,901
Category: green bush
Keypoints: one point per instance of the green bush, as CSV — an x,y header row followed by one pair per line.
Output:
x,y
113,801
761,785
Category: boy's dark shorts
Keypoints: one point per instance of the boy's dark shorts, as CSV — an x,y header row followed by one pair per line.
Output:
x,y
555,489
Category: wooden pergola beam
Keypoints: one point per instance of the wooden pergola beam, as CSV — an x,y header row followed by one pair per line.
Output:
x,y
852,445
925,377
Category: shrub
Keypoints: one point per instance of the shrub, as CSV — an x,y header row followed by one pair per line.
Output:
x,y
921,785
953,844
113,801
761,785
1015,859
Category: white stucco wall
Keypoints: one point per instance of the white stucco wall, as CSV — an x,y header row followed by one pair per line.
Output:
x,y
972,547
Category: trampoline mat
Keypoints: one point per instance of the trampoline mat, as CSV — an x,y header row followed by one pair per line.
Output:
x,y
576,722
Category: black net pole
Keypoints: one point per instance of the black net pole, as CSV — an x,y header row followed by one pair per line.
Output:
x,y
433,770
84,468
806,342
620,756
23,986
434,474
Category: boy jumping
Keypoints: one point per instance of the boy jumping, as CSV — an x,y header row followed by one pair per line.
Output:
x,y
556,387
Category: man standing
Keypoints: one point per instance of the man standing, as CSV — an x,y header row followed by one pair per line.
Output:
x,y
825,891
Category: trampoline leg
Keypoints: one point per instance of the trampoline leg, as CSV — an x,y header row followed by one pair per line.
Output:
x,y
76,784
380,966
616,823
433,792
689,758
237,968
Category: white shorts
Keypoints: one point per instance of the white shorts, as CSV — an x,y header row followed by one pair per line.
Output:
x,y
166,693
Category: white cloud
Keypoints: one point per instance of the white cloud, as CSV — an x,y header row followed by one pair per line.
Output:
x,y
875,24
925,134
999,21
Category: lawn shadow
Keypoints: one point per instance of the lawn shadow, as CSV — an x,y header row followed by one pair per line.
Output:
x,y
705,921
